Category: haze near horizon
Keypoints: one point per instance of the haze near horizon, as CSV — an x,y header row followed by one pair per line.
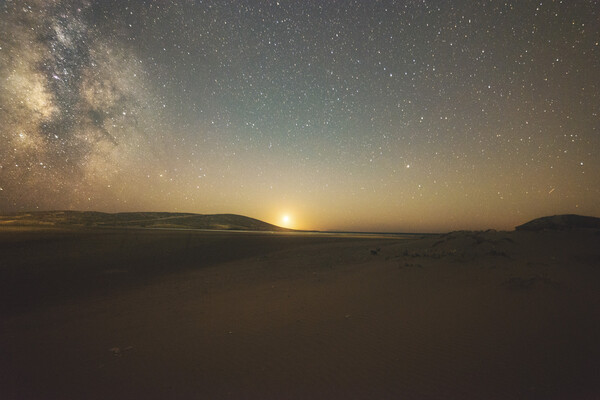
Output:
x,y
358,115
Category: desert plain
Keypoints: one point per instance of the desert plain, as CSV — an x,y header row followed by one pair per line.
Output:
x,y
107,313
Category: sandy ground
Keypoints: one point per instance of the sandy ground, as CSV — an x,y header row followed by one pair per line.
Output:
x,y
144,314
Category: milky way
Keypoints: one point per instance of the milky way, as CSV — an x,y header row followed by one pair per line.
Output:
x,y
75,108
378,115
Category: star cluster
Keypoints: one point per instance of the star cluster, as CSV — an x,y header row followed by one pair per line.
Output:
x,y
362,115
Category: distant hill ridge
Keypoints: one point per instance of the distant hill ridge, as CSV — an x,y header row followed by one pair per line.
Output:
x,y
561,222
139,219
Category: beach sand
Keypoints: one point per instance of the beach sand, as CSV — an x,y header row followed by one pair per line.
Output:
x,y
122,314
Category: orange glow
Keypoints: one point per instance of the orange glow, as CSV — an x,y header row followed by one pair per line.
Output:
x,y
286,221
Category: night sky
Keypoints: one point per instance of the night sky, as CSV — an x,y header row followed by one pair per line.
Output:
x,y
356,115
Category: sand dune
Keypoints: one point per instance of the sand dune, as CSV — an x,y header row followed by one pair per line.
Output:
x,y
495,315
561,222
137,219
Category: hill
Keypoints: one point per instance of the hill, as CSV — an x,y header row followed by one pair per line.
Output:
x,y
561,222
138,219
